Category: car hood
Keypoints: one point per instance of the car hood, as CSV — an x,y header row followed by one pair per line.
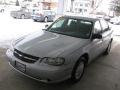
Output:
x,y
47,44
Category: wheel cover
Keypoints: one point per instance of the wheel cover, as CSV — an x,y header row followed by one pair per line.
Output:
x,y
79,70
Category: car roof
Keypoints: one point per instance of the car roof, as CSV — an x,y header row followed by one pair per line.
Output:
x,y
87,18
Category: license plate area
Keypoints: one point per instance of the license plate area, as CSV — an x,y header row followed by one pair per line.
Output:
x,y
20,66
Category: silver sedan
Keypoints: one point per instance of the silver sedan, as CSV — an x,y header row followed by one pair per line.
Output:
x,y
63,50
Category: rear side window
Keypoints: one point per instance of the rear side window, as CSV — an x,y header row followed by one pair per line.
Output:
x,y
47,13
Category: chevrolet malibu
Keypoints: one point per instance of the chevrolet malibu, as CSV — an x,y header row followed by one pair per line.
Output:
x,y
63,49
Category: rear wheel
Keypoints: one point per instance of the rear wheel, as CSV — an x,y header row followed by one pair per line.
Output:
x,y
46,19
78,70
14,17
22,16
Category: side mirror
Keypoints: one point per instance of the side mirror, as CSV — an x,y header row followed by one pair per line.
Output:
x,y
96,36
43,29
46,26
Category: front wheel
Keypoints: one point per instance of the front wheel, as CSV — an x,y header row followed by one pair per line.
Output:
x,y
78,70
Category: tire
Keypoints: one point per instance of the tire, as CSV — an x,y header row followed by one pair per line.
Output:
x,y
22,16
78,70
14,17
35,20
107,51
45,19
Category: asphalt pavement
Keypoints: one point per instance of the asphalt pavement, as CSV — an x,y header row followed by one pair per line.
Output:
x,y
101,74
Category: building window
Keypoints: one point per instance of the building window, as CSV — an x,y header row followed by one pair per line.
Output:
x,y
86,5
85,10
80,10
81,4
76,4
75,9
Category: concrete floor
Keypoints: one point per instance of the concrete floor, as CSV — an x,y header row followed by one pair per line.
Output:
x,y
102,74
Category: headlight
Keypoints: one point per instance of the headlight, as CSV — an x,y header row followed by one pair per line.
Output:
x,y
54,61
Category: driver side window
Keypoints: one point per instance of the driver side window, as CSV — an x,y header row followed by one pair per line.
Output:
x,y
97,28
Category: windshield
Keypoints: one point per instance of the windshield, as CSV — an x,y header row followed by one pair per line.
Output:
x,y
72,27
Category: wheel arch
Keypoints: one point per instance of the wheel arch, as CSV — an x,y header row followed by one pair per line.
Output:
x,y
22,15
86,56
46,17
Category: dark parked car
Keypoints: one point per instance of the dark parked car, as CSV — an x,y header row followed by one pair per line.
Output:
x,y
23,13
45,15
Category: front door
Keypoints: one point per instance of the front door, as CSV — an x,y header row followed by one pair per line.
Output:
x,y
96,44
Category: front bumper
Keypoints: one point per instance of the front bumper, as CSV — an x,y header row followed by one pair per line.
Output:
x,y
40,71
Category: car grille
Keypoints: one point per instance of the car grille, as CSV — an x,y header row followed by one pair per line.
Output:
x,y
25,57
